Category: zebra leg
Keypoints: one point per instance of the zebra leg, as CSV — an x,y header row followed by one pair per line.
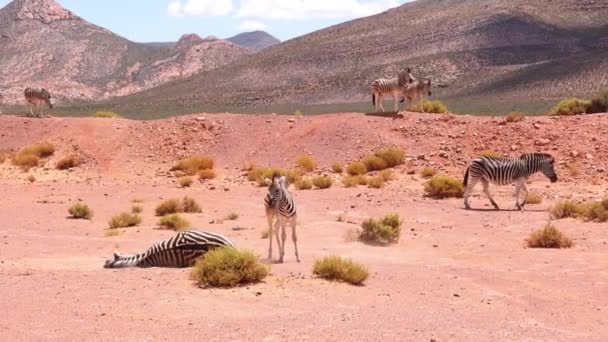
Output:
x,y
520,185
468,191
270,218
395,103
486,190
379,99
283,238
294,237
277,230
31,111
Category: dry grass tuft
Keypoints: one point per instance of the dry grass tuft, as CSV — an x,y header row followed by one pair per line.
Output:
x,y
444,187
191,166
31,178
68,162
189,205
232,217
596,211
80,211
393,156
259,175
228,267
427,172
571,106
490,154
387,175
4,155
173,222
136,209
426,106
356,169
533,198
303,184
515,117
25,161
170,206
322,182
42,150
383,231
374,163
376,182
207,174
30,156
112,232
185,181
124,220
564,209
337,168
351,181
548,237
340,269
306,163
105,114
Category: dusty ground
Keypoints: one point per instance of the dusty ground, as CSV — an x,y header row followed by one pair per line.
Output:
x,y
455,275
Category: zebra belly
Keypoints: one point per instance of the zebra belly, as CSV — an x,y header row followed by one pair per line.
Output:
x,y
183,256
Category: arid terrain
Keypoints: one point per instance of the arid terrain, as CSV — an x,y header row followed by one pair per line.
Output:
x,y
455,275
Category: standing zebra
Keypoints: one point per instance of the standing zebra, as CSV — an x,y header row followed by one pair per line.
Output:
x,y
392,86
279,204
503,171
414,91
37,98
181,250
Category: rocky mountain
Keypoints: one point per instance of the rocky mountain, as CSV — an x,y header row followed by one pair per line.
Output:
x,y
487,49
45,45
256,40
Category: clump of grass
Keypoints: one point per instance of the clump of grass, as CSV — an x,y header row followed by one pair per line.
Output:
x,y
382,231
306,163
351,181
303,184
189,205
105,114
30,156
185,181
322,182
386,175
444,187
427,172
376,182
232,217
571,106
31,178
393,156
192,165
68,162
112,232
596,211
170,206
124,220
25,161
228,267
515,117
80,211
490,153
4,155
548,237
533,198
136,209
374,163
42,150
426,106
599,104
207,174
356,169
337,168
564,209
259,175
337,268
173,222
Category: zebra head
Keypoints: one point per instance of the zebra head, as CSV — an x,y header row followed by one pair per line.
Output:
x,y
543,162
405,77
114,262
276,185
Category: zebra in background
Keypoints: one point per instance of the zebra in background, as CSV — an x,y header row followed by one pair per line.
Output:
x,y
279,204
1,102
37,98
414,91
503,171
181,250
392,86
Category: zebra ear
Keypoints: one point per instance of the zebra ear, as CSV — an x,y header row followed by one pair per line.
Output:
x,y
268,181
116,255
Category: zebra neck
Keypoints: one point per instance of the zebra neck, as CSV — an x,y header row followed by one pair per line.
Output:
x,y
531,167
129,260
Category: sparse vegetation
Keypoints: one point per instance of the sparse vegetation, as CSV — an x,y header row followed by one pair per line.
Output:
x,y
25,161
392,156
174,206
427,172
30,156
31,178
599,104
189,205
105,114
207,174
340,269
322,182
173,222
136,209
228,267
356,169
376,182
185,181
426,106
382,231
306,163
489,153
80,211
259,175
444,187
533,198
515,117
42,150
124,220
548,237
596,211
232,217
112,232
350,181
303,184
571,106
564,209
193,165
68,162
386,175
337,168
374,163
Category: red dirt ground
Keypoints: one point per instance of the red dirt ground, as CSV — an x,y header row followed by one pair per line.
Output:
x,y
455,275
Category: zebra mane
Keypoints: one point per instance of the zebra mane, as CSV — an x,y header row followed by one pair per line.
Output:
x,y
528,156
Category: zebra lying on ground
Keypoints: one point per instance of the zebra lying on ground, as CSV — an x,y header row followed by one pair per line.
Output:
x,y
279,204
181,250
37,98
392,86
414,91
503,171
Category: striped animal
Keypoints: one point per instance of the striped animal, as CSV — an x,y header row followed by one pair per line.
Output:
x,y
392,86
415,90
37,98
503,171
181,250
280,205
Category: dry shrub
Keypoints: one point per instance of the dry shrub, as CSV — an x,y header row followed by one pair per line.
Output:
x,y
596,211
571,106
191,166
444,187
376,182
322,182
189,205
124,220
136,209
185,181
259,175
548,237
112,232
42,150
31,178
337,168
392,156
599,104
383,231
350,181
515,117
387,175
80,211
337,268
533,198
207,174
173,222
4,155
490,154
30,156
426,106
306,163
232,217
228,267
356,169
25,161
374,163
303,184
427,172
564,209
105,114
170,206
68,162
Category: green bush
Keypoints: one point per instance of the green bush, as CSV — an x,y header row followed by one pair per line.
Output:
x,y
548,237
571,106
426,106
228,267
80,211
322,182
444,187
173,222
337,268
383,231
124,220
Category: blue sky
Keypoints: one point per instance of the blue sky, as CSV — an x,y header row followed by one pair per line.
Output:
x,y
167,20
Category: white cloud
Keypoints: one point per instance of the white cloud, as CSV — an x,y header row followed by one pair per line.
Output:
x,y
252,25
199,8
310,9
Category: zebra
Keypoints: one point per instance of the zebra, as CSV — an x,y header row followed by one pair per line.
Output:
x,y
503,171
279,204
1,102
392,86
414,91
181,250
37,98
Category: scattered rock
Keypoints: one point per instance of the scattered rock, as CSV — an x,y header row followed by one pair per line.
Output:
x,y
542,142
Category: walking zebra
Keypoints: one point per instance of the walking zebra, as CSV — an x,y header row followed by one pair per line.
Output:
x,y
392,86
37,98
181,250
279,204
414,91
503,171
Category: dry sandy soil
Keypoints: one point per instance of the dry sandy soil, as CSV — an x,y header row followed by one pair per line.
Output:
x,y
455,275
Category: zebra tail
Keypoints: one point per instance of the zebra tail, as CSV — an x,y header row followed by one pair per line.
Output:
x,y
466,177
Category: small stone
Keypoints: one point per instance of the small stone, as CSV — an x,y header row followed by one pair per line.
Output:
x,y
291,120
201,118
542,142
411,172
514,147
421,157
589,156
535,125
574,154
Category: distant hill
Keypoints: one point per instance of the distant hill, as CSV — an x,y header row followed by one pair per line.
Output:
x,y
256,40
45,45
519,50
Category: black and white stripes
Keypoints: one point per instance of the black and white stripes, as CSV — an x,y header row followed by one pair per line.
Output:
x,y
280,205
181,250
37,98
391,86
503,171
